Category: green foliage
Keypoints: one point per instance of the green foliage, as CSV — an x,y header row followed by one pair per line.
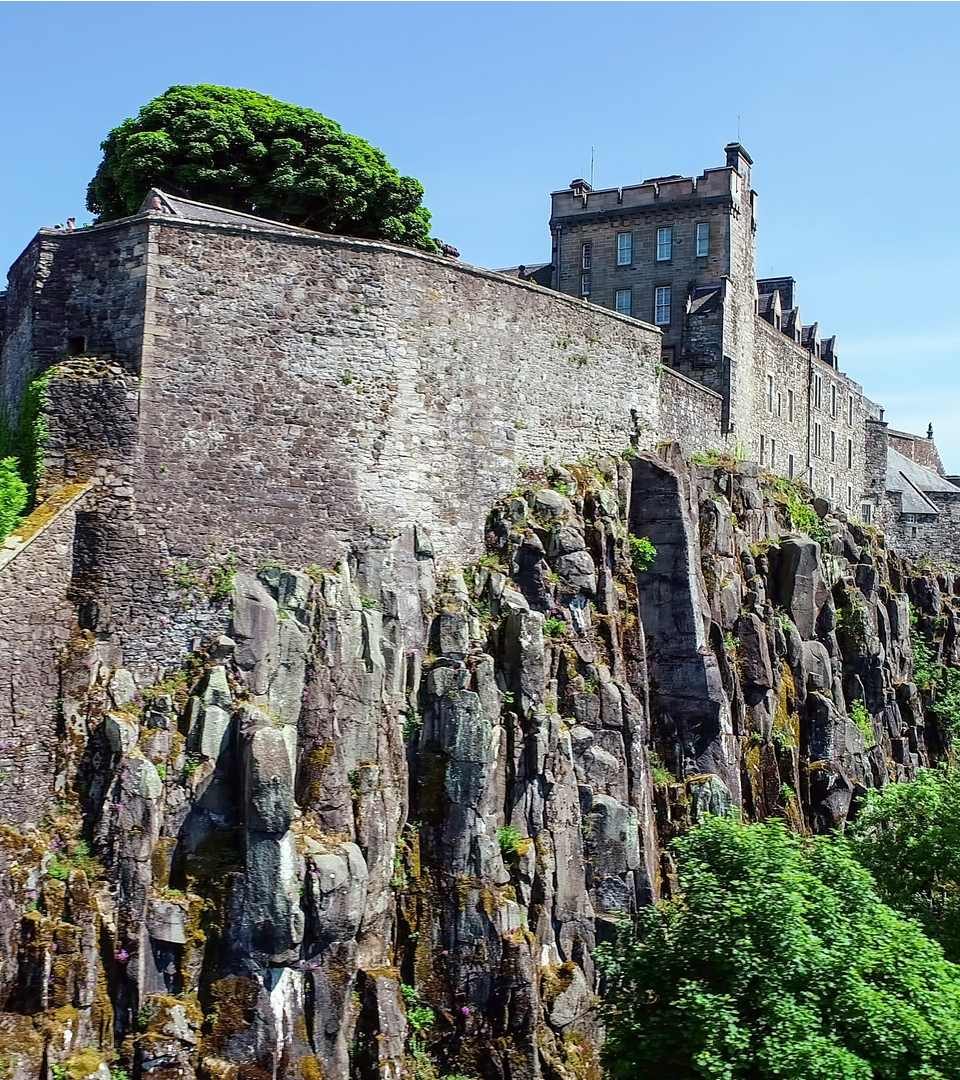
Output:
x,y
554,627
941,681
714,458
778,960
512,841
412,723
908,837
368,603
796,500
662,776
420,1017
853,626
221,578
14,496
22,446
642,553
249,152
76,857
860,716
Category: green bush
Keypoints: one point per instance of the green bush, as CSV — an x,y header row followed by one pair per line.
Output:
x,y
908,837
249,152
642,553
860,716
779,959
554,627
14,496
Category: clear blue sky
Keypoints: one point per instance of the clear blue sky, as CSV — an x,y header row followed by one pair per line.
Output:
x,y
849,111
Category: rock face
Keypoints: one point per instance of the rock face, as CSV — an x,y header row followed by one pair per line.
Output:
x,y
377,823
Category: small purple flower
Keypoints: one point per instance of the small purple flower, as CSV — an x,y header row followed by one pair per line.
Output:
x,y
464,1010
121,955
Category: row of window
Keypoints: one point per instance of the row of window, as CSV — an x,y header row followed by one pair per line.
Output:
x,y
623,300
834,398
663,248
775,400
768,450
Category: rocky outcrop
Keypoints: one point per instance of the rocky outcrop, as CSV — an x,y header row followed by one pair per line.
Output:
x,y
377,822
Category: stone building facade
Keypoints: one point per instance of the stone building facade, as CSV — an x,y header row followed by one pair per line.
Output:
x,y
680,252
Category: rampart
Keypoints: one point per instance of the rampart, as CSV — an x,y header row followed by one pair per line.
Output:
x,y
300,395
690,414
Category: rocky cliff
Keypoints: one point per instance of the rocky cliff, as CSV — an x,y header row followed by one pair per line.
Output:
x,y
376,822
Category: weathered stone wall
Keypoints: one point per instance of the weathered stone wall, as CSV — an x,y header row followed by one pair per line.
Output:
x,y
83,291
876,443
928,536
690,414
301,395
37,618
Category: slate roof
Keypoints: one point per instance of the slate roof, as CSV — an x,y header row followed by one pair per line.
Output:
x,y
913,479
197,211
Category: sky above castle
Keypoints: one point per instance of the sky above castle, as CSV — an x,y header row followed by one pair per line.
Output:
x,y
847,109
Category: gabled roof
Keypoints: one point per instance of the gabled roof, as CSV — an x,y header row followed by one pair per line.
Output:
x,y
162,203
913,481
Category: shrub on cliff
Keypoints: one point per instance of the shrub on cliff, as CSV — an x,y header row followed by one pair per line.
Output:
x,y
778,960
908,837
13,496
246,151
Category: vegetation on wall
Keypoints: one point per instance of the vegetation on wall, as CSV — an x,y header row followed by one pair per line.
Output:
x,y
779,959
22,446
250,152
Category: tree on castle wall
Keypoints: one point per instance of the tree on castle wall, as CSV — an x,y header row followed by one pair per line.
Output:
x,y
246,151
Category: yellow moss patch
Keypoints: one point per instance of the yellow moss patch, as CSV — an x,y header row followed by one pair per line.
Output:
x,y
786,722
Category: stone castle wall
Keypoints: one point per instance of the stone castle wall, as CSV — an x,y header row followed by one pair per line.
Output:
x,y
74,292
37,619
690,414
302,395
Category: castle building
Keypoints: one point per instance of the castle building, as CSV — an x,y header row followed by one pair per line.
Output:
x,y
680,252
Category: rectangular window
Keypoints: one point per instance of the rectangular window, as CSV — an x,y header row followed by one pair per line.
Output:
x,y
850,409
833,402
790,466
773,452
817,392
849,497
790,405
624,248
817,437
624,301
866,513
703,239
763,449
586,255
833,446
769,393
779,404
661,305
665,244
585,284
849,453
833,488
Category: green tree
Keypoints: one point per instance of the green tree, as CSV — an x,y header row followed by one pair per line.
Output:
x,y
778,960
908,837
13,496
246,151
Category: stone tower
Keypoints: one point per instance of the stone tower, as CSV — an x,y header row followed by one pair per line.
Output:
x,y
677,252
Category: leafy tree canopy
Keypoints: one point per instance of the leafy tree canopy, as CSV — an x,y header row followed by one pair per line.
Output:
x,y
778,960
13,496
908,837
246,151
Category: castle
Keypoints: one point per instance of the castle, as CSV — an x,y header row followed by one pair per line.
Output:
x,y
680,253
